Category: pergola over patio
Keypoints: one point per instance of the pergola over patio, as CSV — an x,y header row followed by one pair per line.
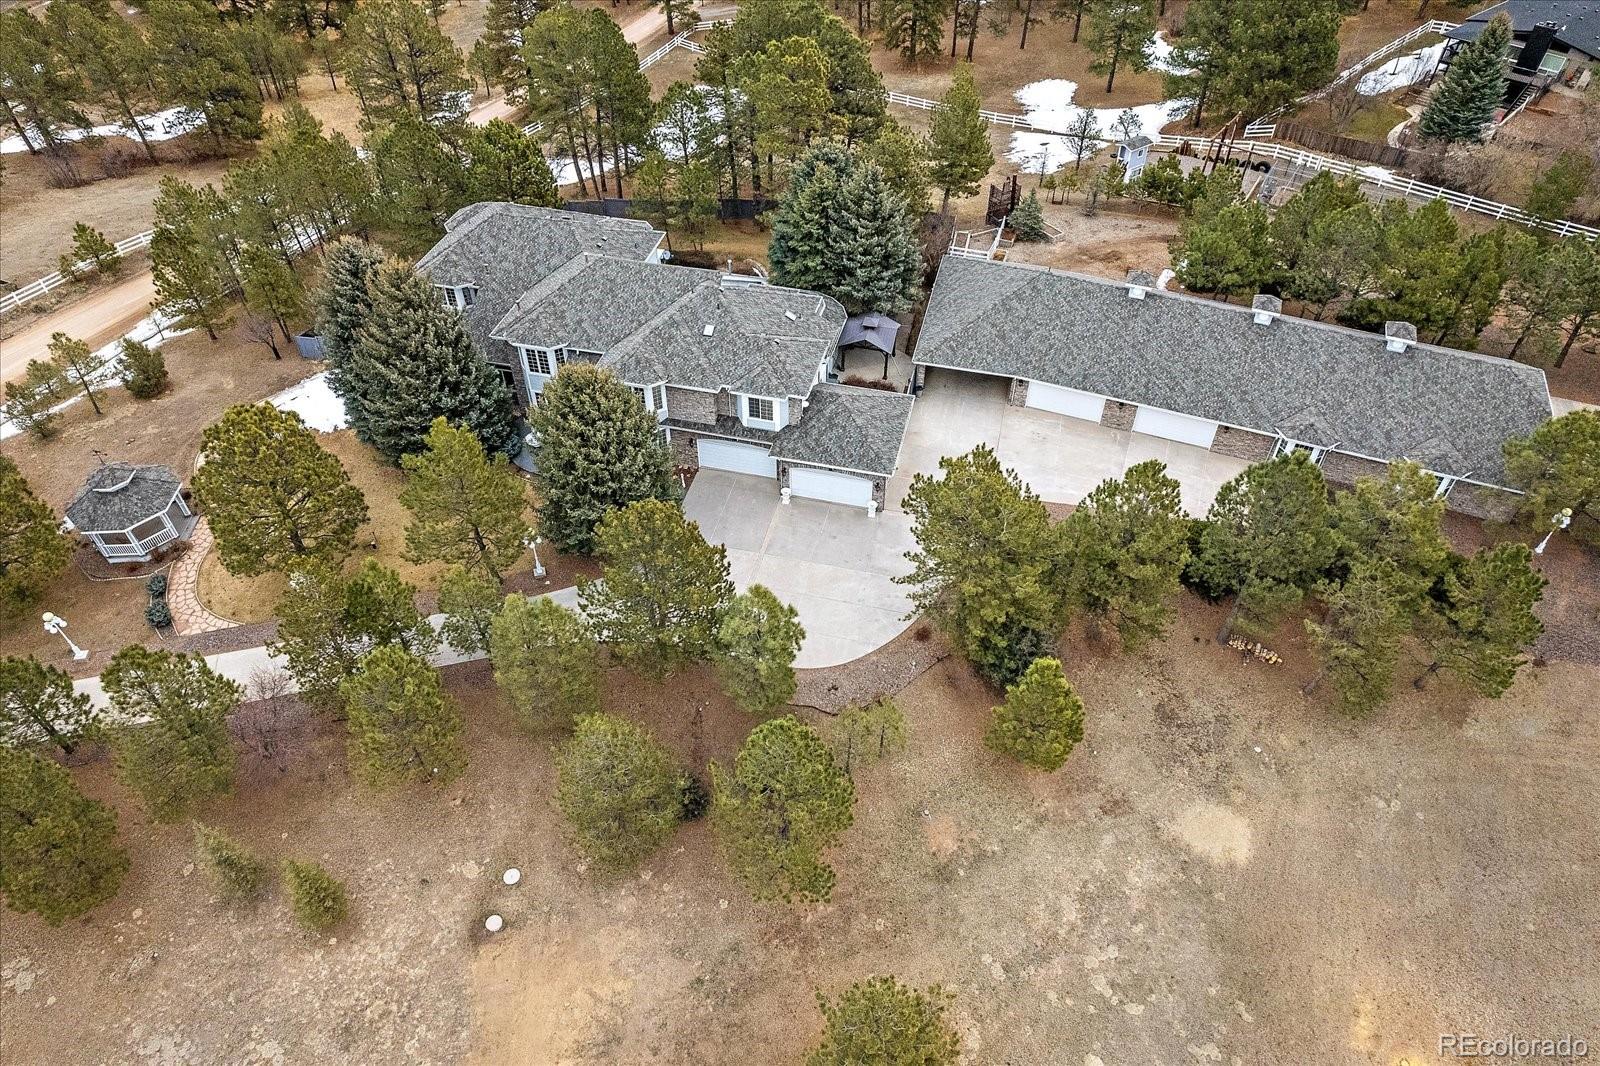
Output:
x,y
129,511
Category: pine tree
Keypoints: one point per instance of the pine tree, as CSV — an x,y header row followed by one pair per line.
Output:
x,y
38,705
192,278
784,801
619,790
1126,543
273,290
1225,248
415,363
785,87
239,873
1041,720
1465,102
59,856
465,508
1359,635
545,661
1397,518
1558,466
1252,57
756,645
90,246
403,729
470,600
272,494
1412,282
318,179
1482,621
902,155
913,27
421,180
343,304
319,899
1027,221
879,1020
76,363
180,754
598,449
506,165
1293,225
1120,35
982,570
675,10
1267,538
959,148
869,731
32,399
1577,266
506,26
200,67
143,369
400,63
316,636
42,95
663,590
1559,185
33,552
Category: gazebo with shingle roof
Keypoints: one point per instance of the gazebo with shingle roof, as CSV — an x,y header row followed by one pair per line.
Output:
x,y
130,511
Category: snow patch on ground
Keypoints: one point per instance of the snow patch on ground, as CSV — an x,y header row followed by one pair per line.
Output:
x,y
1161,55
1401,71
1049,104
314,402
161,126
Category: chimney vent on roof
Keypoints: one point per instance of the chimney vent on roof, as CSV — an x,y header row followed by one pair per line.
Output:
x,y
1139,283
709,330
1400,335
791,316
1266,308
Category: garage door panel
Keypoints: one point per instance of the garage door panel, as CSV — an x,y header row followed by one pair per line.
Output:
x,y
1065,401
739,458
1185,429
831,485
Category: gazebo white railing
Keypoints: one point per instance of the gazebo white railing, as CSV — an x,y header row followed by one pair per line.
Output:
x,y
143,539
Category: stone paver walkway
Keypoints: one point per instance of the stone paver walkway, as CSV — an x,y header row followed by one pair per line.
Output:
x,y
189,615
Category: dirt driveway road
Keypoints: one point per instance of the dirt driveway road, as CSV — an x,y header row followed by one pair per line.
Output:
x,y
97,319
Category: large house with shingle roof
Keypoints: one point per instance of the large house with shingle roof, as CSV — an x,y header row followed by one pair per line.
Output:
x,y
1248,382
735,370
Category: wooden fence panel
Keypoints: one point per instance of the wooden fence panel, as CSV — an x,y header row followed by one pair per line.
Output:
x,y
1338,144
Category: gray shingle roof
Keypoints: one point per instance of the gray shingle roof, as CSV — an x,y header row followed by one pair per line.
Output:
x,y
1449,410
506,249
119,496
1579,21
595,302
847,427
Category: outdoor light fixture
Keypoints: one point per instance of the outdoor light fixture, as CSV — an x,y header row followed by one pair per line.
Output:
x,y
54,623
538,567
1559,521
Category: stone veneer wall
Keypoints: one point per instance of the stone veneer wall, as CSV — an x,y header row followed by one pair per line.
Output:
x,y
1018,396
1342,469
880,486
1495,505
691,405
1243,444
1118,415
685,451
727,405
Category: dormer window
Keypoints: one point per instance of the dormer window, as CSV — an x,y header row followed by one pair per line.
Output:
x,y
459,297
759,409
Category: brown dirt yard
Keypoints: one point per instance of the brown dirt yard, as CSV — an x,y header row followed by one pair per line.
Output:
x,y
1224,872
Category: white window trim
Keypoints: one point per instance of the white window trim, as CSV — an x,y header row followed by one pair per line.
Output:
x,y
1446,483
1288,444
751,419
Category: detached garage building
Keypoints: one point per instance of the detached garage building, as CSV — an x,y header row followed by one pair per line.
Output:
x,y
1247,382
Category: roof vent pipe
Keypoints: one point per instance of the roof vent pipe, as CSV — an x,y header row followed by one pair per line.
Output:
x,y
1266,308
709,330
1399,336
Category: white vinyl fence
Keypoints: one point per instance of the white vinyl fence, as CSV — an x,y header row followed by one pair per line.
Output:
x,y
13,300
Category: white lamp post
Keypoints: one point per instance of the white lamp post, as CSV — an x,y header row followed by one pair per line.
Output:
x,y
54,623
538,567
1561,520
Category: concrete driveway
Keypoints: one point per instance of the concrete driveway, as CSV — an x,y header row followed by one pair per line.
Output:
x,y
832,563
1062,458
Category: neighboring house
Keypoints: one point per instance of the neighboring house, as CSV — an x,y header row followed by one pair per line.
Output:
x,y
735,370
129,512
1553,41
1246,382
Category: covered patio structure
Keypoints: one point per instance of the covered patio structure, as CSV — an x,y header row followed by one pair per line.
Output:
x,y
129,512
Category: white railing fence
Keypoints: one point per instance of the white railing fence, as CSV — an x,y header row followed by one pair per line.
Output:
x,y
1436,26
32,291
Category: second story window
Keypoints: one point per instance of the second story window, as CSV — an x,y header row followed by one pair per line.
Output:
x,y
539,361
758,409
660,392
469,296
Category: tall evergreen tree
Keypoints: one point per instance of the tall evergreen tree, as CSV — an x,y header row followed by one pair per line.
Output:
x,y
273,290
143,369
321,181
506,165
1121,33
399,62
618,789
1481,625
757,642
879,1020
200,67
1125,546
1249,56
1464,104
193,279
1420,257
1041,720
59,855
77,364
663,590
1398,518
1267,539
598,449
403,728
343,303
913,27
33,551
782,803
902,155
1577,266
1359,635
470,600
465,508
421,180
1558,466
959,150
505,30
546,662
1224,246
272,493
180,753
786,89
416,363
38,89
38,705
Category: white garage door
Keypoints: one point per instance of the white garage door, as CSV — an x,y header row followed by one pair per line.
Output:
x,y
1064,401
830,485
1185,429
740,458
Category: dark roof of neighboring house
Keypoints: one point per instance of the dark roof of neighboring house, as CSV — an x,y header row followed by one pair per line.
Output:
x,y
849,428
1579,21
1328,385
506,249
118,496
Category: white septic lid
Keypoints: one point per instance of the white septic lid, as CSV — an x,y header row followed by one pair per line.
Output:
x,y
494,923
512,876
